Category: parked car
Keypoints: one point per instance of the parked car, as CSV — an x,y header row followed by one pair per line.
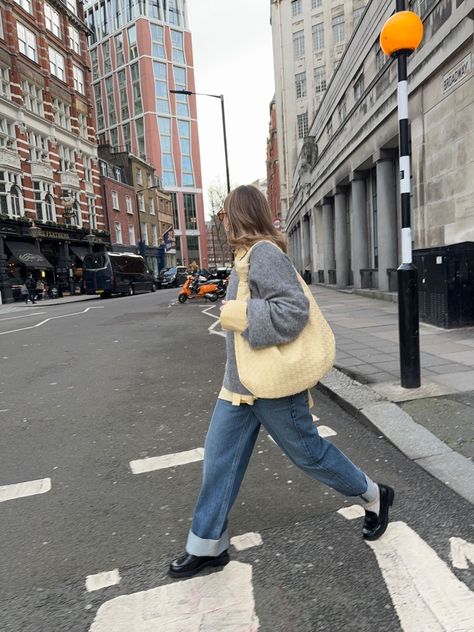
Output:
x,y
172,277
107,273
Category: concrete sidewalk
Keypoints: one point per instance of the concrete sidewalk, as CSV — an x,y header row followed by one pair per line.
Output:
x,y
20,305
433,425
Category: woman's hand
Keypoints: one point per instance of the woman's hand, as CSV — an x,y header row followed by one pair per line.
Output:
x,y
223,302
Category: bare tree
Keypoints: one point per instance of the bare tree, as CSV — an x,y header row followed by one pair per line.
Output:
x,y
217,193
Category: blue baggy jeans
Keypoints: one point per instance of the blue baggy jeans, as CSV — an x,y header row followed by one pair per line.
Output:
x,y
229,443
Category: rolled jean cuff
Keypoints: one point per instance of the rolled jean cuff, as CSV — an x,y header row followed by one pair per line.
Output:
x,y
207,548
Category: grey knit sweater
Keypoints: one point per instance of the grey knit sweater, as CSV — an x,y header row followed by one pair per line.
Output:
x,y
277,310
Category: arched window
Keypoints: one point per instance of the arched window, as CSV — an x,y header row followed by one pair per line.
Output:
x,y
49,208
16,200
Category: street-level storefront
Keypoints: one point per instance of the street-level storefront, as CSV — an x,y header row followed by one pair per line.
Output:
x,y
154,257
53,255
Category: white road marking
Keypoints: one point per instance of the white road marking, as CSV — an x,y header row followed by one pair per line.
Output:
x,y
326,431
217,321
214,602
424,591
352,512
25,316
102,580
462,552
150,464
315,419
21,490
246,541
46,320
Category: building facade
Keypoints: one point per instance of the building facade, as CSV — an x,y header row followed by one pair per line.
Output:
x,y
273,168
154,207
50,196
344,223
139,52
309,38
220,253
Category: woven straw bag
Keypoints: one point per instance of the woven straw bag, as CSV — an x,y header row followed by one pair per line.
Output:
x,y
283,370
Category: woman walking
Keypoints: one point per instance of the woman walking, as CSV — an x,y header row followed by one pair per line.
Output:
x,y
274,315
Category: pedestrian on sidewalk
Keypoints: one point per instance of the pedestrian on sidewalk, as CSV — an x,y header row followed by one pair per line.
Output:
x,y
275,314
31,287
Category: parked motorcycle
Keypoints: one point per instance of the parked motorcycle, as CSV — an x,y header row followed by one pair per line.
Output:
x,y
195,288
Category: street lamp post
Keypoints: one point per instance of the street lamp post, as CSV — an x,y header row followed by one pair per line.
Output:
x,y
221,98
401,35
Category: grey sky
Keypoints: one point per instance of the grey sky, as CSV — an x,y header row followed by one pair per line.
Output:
x,y
233,57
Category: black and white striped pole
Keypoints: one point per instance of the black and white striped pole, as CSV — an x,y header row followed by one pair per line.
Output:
x,y
401,35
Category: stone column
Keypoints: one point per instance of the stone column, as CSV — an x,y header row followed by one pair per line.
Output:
x,y
359,230
313,245
328,235
5,286
341,237
386,215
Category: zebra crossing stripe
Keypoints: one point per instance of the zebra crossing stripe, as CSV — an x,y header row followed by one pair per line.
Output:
x,y
22,490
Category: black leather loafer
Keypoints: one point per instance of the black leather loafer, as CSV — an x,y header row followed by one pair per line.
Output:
x,y
188,565
376,525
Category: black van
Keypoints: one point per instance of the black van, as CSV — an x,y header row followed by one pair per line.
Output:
x,y
108,273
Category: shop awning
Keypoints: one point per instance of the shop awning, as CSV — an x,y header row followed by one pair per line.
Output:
x,y
79,251
28,255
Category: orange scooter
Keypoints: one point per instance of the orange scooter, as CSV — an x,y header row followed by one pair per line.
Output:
x,y
193,288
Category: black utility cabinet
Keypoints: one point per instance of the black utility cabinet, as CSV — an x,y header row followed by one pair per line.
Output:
x,y
446,284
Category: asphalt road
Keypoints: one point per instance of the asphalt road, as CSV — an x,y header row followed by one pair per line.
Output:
x,y
88,387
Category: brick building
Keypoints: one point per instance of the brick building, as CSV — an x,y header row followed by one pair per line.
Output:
x,y
50,200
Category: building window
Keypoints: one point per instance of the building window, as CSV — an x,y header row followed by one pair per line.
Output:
x,y
7,134
316,4
44,201
131,235
115,201
122,83
136,90
126,136
189,200
359,88
151,202
75,40
298,45
132,43
329,129
161,87
72,6
182,106
94,64
157,41
110,96
338,34
119,54
1,26
154,234
302,120
296,7
11,197
177,44
82,124
78,76
144,232
88,170
168,172
56,64
66,158
128,205
118,232
52,20
341,109
26,42
106,57
98,107
300,84
113,137
62,114
174,207
4,82
318,36
26,4
141,203
320,79
139,176
140,131
32,97
184,131
175,12
38,147
357,15
91,210
380,58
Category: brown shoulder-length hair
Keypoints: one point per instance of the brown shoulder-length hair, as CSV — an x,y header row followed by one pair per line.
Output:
x,y
250,219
